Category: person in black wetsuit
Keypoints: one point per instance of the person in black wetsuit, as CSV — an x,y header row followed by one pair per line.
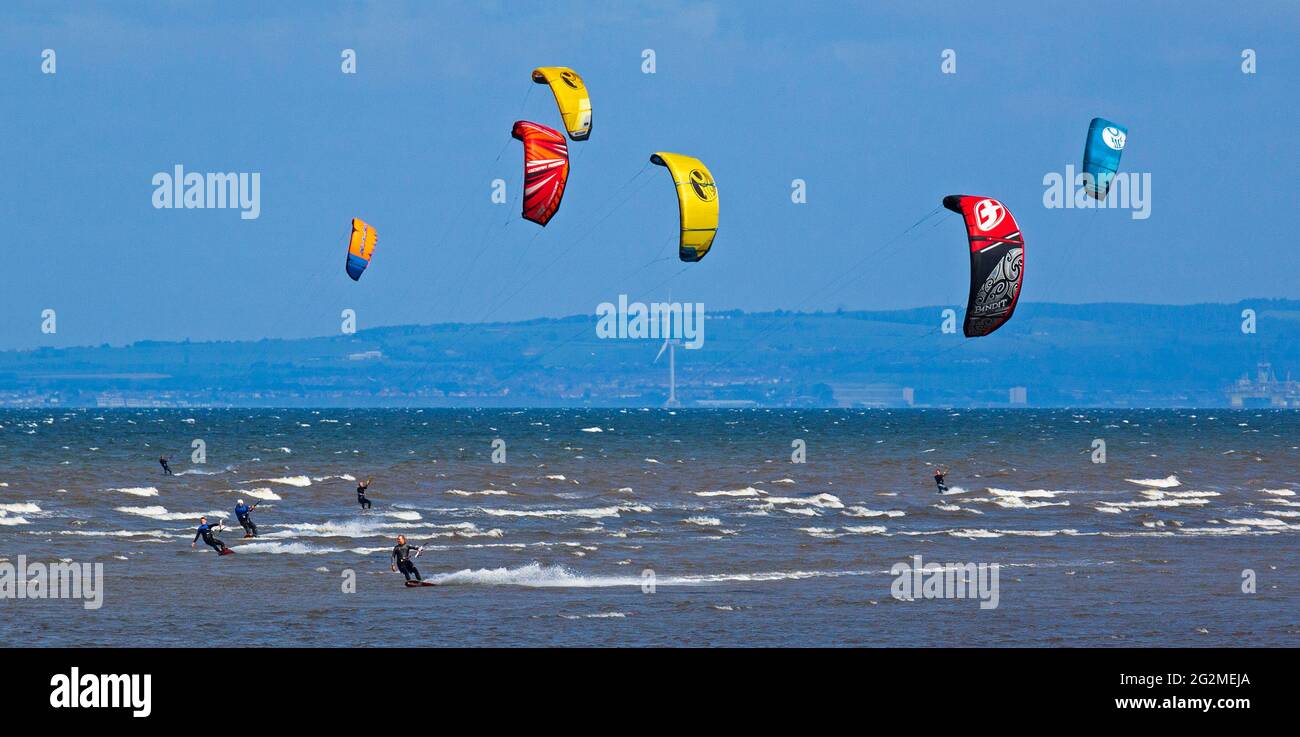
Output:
x,y
205,531
939,476
167,470
243,513
402,558
361,494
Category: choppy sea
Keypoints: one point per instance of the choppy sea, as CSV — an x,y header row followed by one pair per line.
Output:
x,y
657,527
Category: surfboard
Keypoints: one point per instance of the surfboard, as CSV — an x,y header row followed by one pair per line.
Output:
x,y
416,584
227,551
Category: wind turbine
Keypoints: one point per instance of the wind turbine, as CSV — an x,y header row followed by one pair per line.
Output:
x,y
670,345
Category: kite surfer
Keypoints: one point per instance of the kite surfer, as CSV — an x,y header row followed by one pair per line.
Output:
x,y
940,475
167,470
361,494
205,531
243,513
402,558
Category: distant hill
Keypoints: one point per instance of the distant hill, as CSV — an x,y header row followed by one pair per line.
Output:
x,y
1061,355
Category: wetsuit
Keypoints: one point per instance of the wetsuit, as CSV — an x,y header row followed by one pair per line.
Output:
x,y
361,497
205,532
242,512
402,557
938,481
167,470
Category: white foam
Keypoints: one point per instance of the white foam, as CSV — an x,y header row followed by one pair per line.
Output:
x,y
295,548
197,472
865,529
827,501
1037,533
1155,494
748,491
161,513
1217,531
960,532
864,512
1257,522
408,516
469,529
535,575
1015,502
1189,502
1032,494
299,481
369,528
974,533
599,615
592,513
158,534
20,508
805,511
955,508
1168,482
703,521
138,490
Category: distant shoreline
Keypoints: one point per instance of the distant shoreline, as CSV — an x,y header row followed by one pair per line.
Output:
x,y
1052,355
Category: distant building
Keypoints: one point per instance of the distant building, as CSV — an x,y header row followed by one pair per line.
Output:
x,y
725,403
1264,390
871,395
110,400
1019,395
136,400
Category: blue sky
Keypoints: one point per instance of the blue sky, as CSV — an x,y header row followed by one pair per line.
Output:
x,y
847,96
